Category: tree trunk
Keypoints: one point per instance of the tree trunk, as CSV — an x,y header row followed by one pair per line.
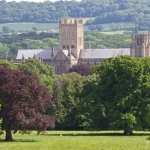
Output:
x,y
128,131
8,136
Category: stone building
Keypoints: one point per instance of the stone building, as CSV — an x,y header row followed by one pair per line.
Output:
x,y
71,49
71,35
141,45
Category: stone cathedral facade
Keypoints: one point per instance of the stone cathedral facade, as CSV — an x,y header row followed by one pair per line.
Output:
x,y
71,50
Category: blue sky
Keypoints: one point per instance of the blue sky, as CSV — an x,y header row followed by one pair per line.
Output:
x,y
35,0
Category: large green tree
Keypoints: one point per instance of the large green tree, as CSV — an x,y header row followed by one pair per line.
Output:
x,y
114,89
44,71
67,94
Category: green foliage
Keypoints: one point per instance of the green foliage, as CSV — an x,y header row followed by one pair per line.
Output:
x,y
101,40
132,14
36,44
67,92
128,121
8,64
12,42
117,94
43,40
4,49
147,115
43,71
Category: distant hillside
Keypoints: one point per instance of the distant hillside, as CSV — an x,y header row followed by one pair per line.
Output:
x,y
107,14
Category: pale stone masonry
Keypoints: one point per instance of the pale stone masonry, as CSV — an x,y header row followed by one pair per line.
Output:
x,y
72,35
71,49
141,45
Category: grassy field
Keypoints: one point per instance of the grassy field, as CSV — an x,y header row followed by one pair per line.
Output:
x,y
28,26
21,27
51,142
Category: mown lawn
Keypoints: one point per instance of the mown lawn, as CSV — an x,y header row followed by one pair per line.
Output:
x,y
51,142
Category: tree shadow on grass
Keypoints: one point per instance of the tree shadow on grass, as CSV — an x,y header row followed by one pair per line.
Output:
x,y
148,138
97,134
19,141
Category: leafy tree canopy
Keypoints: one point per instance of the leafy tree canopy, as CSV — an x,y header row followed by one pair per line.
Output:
x,y
44,71
24,102
67,94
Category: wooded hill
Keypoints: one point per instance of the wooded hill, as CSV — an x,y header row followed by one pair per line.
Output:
x,y
105,14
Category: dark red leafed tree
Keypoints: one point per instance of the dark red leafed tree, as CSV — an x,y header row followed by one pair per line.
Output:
x,y
24,103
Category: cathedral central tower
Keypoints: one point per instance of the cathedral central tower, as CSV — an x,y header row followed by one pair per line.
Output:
x,y
71,35
141,45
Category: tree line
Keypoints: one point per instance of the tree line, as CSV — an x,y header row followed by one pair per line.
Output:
x,y
102,12
10,43
113,95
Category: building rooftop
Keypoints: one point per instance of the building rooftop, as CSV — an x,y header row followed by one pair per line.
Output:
x,y
37,53
46,54
103,53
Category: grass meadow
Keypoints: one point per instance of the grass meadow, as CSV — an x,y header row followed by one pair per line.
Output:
x,y
28,26
77,141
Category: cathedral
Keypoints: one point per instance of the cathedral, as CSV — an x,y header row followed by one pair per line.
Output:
x,y
71,50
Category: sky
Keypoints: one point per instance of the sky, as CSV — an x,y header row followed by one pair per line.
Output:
x,y
36,0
